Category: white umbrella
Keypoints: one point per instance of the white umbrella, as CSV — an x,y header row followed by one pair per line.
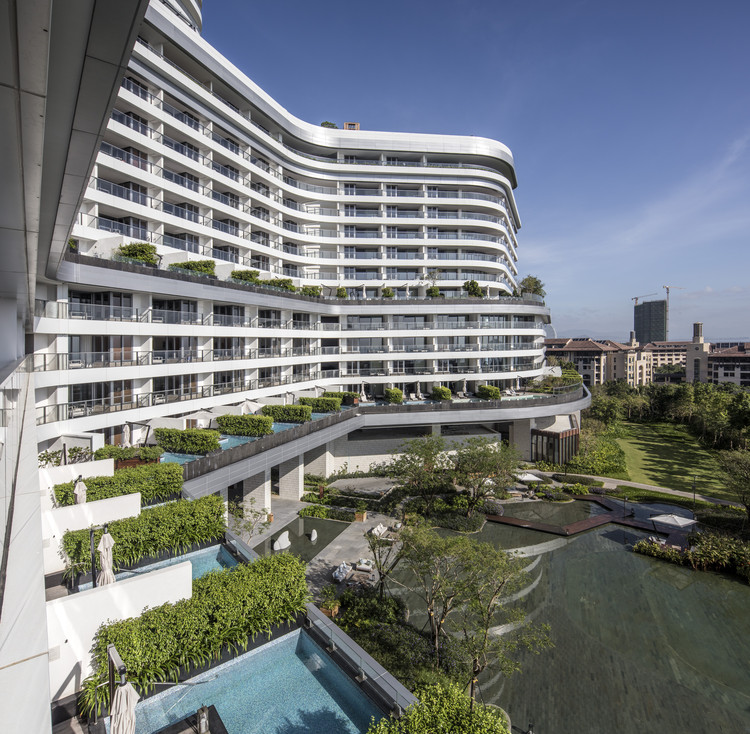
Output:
x,y
106,575
673,520
228,410
200,415
250,406
122,713
527,477
126,435
79,490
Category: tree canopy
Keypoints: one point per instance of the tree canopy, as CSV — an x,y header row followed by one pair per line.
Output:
x,y
532,284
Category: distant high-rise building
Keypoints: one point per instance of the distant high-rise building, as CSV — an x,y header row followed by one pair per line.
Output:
x,y
650,321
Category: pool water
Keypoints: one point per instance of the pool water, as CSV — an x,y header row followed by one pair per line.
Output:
x,y
553,513
299,534
213,558
288,686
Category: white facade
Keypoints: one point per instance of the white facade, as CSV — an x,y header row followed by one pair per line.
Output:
x,y
215,169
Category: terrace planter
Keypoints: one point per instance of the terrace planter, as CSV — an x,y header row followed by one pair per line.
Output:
x,y
331,611
124,463
270,517
360,516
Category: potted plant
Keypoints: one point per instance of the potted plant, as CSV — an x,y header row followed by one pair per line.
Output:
x,y
329,603
360,511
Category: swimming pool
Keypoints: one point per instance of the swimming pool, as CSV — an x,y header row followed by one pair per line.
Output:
x,y
300,530
288,685
213,558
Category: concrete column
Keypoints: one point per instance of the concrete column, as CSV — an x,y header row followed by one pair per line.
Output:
x,y
320,460
435,429
258,488
291,478
520,435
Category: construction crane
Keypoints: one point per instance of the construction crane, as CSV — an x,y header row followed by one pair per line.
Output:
x,y
635,298
667,288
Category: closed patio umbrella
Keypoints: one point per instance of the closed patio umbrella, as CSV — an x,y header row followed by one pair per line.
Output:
x,y
79,490
126,435
106,574
123,710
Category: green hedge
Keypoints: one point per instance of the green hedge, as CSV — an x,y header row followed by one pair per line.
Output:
x,y
341,292
245,425
284,283
204,267
441,393
329,513
394,395
172,527
145,453
153,481
227,608
288,413
245,276
142,251
579,479
322,405
311,290
488,392
187,440
346,397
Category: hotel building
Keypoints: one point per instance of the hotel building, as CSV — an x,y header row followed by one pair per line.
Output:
x,y
367,239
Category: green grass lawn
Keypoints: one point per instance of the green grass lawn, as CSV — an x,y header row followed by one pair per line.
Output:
x,y
670,456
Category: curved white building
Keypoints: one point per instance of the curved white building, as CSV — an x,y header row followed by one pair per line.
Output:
x,y
200,162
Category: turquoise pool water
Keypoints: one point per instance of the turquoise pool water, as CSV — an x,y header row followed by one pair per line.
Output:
x,y
288,686
214,558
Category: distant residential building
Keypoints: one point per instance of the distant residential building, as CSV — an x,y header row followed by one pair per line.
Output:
x,y
730,365
650,321
588,356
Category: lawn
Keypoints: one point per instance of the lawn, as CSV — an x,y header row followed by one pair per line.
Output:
x,y
670,456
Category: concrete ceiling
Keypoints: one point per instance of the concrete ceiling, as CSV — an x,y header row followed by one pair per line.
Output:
x,y
60,67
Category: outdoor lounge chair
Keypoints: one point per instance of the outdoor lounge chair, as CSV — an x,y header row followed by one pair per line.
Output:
x,y
412,396
363,564
379,530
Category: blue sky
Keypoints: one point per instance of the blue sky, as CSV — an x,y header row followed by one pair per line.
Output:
x,y
629,124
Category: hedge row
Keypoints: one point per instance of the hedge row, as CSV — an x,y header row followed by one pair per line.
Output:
x,y
328,513
322,405
288,413
227,608
394,395
153,481
245,425
145,453
204,267
187,440
347,397
142,251
173,527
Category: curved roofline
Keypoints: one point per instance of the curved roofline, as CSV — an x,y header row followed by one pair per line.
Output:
x,y
307,132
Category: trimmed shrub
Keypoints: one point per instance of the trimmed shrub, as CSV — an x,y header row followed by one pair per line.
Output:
x,y
288,413
311,290
488,392
283,283
227,608
245,425
203,267
341,292
142,251
153,481
394,395
245,276
173,527
328,513
473,289
387,292
145,453
187,440
441,393
575,489
433,292
322,405
347,397
579,479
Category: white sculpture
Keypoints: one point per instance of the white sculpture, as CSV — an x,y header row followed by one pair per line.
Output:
x,y
282,541
313,535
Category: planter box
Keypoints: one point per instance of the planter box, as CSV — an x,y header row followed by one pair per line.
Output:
x,y
360,516
124,463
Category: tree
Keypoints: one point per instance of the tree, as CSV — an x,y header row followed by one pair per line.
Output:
x,y
736,464
245,519
420,467
386,555
605,409
473,289
494,576
532,284
443,710
436,575
332,125
483,466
